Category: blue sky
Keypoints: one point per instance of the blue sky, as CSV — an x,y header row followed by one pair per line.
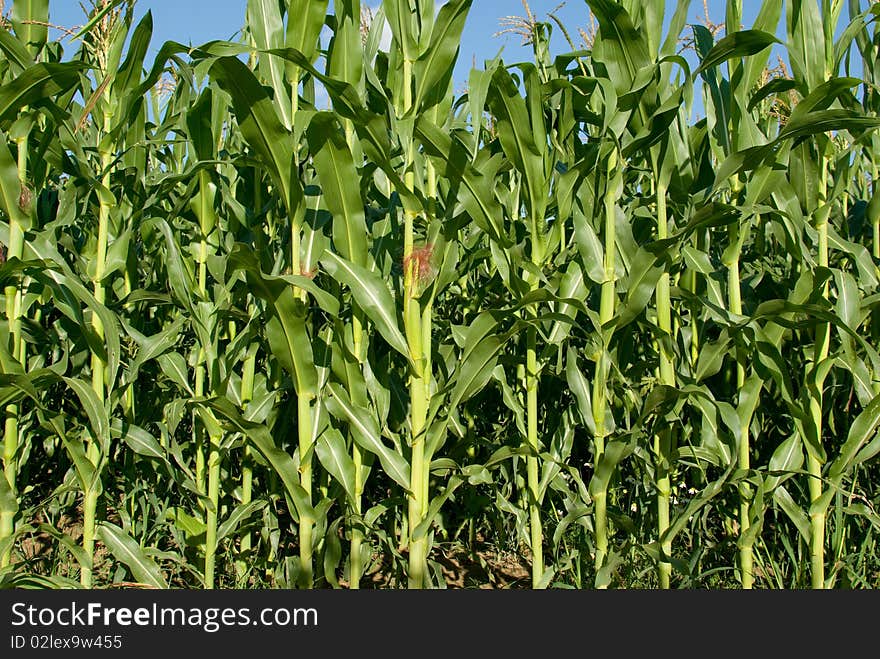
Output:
x,y
198,21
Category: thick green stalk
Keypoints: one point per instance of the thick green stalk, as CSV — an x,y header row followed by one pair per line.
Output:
x,y
532,376
664,304
746,549
295,251
875,220
213,509
417,505
427,324
693,285
304,419
305,435
533,480
294,96
11,430
247,476
304,401
356,568
93,451
247,394
198,430
200,362
600,379
418,416
306,523
663,482
10,447
421,326
821,350
211,470
663,441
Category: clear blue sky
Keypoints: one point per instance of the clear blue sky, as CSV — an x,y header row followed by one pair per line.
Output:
x,y
198,21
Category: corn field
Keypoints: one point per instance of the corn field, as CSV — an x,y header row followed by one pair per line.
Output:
x,y
607,318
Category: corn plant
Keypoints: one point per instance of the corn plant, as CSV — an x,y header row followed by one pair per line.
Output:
x,y
608,313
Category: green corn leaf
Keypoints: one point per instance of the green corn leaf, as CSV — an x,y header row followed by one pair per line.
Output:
x,y
806,42
622,48
401,20
305,18
738,44
366,433
138,440
8,500
240,515
15,51
174,367
37,84
260,125
579,386
862,430
338,177
787,459
475,370
99,420
289,340
474,186
615,452
128,78
644,275
794,512
775,86
517,139
98,17
371,295
267,29
199,125
127,551
333,454
282,464
433,69
30,19
151,347
10,188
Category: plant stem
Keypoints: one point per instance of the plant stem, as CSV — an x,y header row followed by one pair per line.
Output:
x,y
247,476
876,220
93,451
662,449
356,568
418,418
746,549
200,372
417,506
600,379
213,509
207,222
821,350
11,430
306,523
531,384
247,393
663,442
